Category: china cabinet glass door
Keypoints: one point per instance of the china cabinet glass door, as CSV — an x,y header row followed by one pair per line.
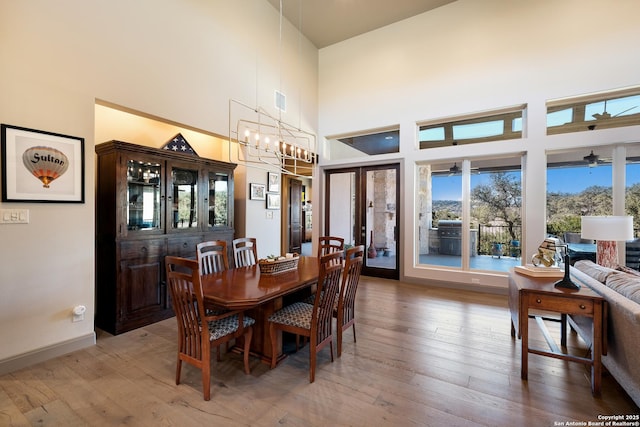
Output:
x,y
143,194
183,198
217,199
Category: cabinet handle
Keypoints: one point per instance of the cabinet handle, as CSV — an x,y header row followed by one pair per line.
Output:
x,y
582,306
185,244
144,249
538,300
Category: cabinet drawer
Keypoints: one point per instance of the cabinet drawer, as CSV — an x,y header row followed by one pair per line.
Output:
x,y
184,247
142,248
562,305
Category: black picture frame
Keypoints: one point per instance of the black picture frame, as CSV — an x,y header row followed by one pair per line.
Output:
x,y
274,182
273,201
41,166
257,191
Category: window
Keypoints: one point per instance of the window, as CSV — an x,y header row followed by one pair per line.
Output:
x,y
369,144
578,184
494,126
494,231
594,112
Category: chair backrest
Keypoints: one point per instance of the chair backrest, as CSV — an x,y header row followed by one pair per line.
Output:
x,y
329,244
183,279
328,285
245,251
212,256
354,259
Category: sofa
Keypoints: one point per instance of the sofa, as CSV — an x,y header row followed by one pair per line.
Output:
x,y
620,287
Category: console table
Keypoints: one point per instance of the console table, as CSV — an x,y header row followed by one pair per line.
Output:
x,y
531,293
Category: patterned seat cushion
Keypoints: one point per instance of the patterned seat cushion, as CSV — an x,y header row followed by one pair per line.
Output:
x,y
297,314
228,325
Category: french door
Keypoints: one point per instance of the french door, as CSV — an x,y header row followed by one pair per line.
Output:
x,y
362,207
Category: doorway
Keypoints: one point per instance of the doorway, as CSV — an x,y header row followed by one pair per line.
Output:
x,y
363,207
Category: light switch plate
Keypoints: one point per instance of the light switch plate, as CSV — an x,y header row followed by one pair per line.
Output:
x,y
14,216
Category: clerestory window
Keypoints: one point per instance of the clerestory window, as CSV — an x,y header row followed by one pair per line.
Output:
x,y
488,126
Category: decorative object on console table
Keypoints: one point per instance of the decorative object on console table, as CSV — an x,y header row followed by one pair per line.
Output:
x,y
566,282
607,231
547,254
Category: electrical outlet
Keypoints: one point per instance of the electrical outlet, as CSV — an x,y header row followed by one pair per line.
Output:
x,y
269,214
78,313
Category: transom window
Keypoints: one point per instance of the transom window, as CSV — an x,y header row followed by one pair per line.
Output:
x,y
493,126
594,112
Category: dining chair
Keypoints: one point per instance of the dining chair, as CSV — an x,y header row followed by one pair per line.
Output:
x,y
344,309
212,256
311,321
198,331
329,244
245,251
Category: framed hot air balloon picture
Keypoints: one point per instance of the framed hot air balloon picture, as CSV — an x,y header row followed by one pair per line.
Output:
x,y
39,166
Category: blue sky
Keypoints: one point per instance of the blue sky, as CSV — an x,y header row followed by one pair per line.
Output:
x,y
565,180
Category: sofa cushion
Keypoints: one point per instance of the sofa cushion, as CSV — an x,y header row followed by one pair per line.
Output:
x,y
625,284
594,270
626,269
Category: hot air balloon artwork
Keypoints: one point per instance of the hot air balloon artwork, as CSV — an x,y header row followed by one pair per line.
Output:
x,y
45,163
55,160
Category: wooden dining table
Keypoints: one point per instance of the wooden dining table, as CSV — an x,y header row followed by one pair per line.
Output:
x,y
260,295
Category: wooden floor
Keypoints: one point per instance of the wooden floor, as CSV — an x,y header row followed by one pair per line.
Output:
x,y
424,356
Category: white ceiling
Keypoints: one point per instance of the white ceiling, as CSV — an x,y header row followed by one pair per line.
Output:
x,y
326,22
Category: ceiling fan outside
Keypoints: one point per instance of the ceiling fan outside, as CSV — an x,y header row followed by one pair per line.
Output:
x,y
591,159
606,115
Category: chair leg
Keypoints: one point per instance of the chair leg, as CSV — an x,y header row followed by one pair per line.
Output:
x,y
206,379
312,363
339,331
247,344
354,331
331,349
274,344
178,369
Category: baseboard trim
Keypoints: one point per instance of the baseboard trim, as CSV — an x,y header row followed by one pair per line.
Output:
x,y
45,353
484,289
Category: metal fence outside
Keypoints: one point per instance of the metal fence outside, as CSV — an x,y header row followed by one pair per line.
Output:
x,y
495,240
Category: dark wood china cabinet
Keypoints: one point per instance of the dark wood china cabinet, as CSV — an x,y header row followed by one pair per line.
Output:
x,y
151,203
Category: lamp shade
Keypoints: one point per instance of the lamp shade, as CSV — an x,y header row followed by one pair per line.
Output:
x,y
615,228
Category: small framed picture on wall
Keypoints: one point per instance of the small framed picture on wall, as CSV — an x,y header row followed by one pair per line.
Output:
x,y
257,191
274,182
273,201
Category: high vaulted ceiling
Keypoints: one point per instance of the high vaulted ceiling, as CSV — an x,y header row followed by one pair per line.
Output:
x,y
325,22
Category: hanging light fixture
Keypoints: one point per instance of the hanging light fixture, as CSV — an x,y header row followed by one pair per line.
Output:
x,y
264,140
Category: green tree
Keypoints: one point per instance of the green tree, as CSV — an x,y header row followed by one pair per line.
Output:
x,y
500,200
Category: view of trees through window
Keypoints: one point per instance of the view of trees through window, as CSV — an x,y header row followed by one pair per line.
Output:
x,y
495,203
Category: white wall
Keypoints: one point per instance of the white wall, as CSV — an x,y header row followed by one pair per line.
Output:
x,y
471,56
178,60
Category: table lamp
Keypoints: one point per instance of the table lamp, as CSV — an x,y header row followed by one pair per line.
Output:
x,y
607,231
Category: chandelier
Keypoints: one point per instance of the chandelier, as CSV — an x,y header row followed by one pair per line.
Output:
x,y
265,141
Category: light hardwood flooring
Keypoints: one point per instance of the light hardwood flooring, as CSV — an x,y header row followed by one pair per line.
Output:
x,y
424,356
